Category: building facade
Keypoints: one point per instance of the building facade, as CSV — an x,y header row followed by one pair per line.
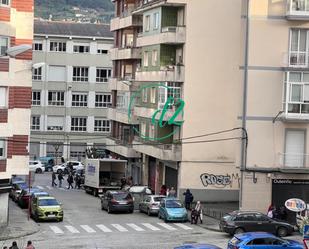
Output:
x,y
70,94
16,32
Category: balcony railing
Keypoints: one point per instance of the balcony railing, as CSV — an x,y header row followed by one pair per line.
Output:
x,y
292,161
298,9
297,59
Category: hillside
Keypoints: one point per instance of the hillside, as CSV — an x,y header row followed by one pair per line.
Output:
x,y
75,10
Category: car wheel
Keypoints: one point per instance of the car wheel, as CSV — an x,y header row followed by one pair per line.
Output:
x,y
148,212
108,209
59,171
39,171
239,230
282,232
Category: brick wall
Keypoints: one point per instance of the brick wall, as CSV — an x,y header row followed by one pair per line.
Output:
x,y
22,5
4,65
17,146
3,115
5,14
2,165
19,97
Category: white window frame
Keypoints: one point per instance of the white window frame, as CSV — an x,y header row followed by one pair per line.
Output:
x,y
36,98
103,100
145,95
146,59
58,127
99,72
37,74
58,46
102,125
3,145
153,95
5,2
35,123
143,129
3,49
154,57
174,89
151,134
81,49
78,124
156,20
4,99
79,99
147,23
102,51
58,98
37,46
81,74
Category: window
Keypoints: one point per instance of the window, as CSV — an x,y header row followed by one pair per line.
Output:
x,y
102,51
80,74
4,44
38,46
261,217
3,97
156,20
154,58
102,48
36,98
103,100
55,98
81,49
145,59
151,131
5,2
101,125
2,147
123,99
58,46
35,123
103,74
143,129
147,23
78,124
55,123
79,99
173,90
144,95
153,95
37,73
57,73
78,151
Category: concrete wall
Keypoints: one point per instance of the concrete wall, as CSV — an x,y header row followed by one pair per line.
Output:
x,y
4,201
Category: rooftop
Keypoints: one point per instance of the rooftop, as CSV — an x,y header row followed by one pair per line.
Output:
x,y
72,29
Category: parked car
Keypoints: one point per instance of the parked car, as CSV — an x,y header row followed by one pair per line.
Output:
x,y
17,187
172,209
117,201
46,208
250,221
36,166
150,204
262,240
24,197
65,167
197,246
48,162
36,195
139,193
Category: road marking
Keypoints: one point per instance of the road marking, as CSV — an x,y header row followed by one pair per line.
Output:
x,y
40,187
183,226
104,228
135,227
49,187
151,227
56,229
120,228
72,229
87,228
168,227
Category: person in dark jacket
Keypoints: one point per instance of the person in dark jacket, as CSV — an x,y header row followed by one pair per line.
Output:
x,y
14,245
60,178
53,179
188,199
70,180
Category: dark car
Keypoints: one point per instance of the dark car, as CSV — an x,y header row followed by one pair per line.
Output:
x,y
16,189
24,197
250,221
261,240
117,201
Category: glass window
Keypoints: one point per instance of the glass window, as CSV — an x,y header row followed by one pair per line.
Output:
x,y
35,123
102,51
56,98
103,74
36,98
101,125
80,99
81,49
296,93
3,97
156,20
147,23
2,147
103,100
78,124
55,123
37,46
153,95
154,58
37,73
145,59
5,2
144,95
80,74
58,46
4,44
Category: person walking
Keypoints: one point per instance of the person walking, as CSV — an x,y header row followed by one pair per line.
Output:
x,y
70,180
163,190
188,199
29,245
76,179
199,211
53,179
60,178
172,192
14,245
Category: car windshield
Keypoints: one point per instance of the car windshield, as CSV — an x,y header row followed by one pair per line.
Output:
x,y
157,199
48,202
122,196
173,204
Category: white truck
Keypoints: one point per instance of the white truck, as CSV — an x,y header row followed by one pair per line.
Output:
x,y
103,174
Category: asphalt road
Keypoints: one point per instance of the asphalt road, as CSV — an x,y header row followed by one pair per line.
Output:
x,y
85,225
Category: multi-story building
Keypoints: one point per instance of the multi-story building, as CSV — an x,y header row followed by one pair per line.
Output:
x,y
182,63
70,93
16,32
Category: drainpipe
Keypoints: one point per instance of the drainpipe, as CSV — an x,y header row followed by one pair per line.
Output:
x,y
244,106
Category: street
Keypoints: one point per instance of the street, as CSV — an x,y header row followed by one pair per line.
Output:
x,y
85,225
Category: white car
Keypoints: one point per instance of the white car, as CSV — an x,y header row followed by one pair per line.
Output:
x,y
36,166
64,168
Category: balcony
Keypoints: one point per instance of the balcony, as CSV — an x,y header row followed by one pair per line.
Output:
x,y
126,20
293,162
116,84
122,148
297,59
166,152
148,113
168,73
125,53
168,35
297,10
120,115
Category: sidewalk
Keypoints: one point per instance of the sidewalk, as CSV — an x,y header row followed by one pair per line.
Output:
x,y
19,225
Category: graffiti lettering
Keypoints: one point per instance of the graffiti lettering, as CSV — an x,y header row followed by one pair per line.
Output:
x,y
219,181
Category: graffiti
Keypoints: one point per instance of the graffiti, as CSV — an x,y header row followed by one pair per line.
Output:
x,y
219,181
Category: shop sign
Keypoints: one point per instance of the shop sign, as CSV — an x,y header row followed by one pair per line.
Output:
x,y
290,182
295,205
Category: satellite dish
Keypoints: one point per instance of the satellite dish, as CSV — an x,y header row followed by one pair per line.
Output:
x,y
16,50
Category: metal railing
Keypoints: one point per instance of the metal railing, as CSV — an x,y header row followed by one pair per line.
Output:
x,y
293,160
298,6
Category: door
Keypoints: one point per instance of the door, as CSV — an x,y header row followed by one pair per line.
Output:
x,y
264,224
295,148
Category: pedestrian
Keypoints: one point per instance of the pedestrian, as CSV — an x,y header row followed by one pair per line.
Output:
x,y
62,160
14,245
172,192
199,211
76,179
5,247
188,199
270,212
163,190
29,245
60,178
70,180
53,179
167,192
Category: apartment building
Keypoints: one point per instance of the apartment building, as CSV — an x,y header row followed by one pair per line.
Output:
x,y
172,95
16,32
70,94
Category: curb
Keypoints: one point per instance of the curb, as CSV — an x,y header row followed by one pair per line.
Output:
x,y
8,237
